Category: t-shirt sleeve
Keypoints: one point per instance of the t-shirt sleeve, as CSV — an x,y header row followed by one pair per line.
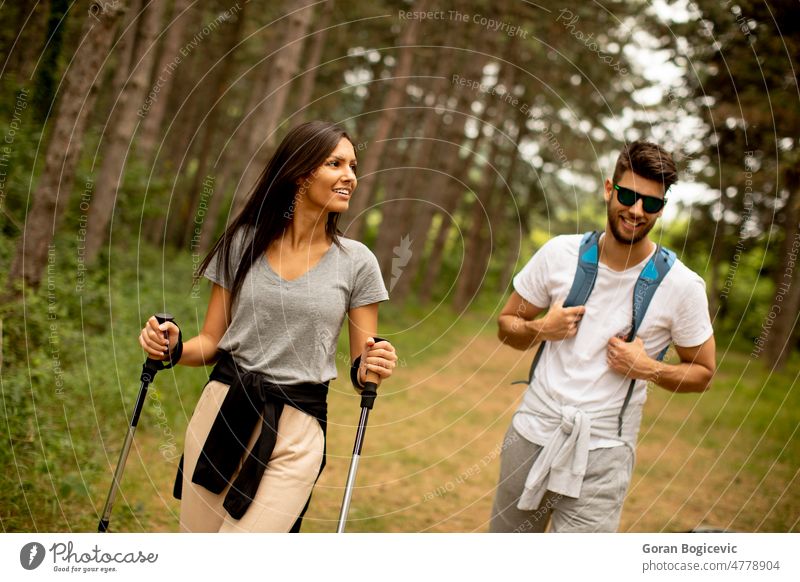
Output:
x,y
368,284
692,323
531,281
215,271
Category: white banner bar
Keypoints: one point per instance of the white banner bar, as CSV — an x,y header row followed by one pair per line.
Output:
x,y
401,557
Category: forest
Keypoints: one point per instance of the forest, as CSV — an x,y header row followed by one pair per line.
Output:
x,y
133,131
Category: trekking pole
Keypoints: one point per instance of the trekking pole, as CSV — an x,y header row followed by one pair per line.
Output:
x,y
368,395
149,370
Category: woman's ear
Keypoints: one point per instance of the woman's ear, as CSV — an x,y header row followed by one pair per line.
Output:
x,y
304,182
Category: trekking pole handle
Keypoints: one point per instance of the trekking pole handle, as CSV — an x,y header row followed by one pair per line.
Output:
x,y
164,318
370,391
152,366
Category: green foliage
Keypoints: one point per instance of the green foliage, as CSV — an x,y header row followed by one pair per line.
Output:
x,y
71,362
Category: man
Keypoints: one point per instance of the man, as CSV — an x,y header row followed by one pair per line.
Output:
x,y
567,458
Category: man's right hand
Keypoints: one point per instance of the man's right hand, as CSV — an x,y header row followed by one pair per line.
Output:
x,y
558,323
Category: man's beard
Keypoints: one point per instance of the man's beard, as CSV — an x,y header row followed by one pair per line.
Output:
x,y
639,234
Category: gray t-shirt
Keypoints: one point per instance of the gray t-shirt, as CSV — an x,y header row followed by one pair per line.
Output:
x,y
288,330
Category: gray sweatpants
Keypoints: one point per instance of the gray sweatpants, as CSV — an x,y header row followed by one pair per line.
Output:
x,y
598,509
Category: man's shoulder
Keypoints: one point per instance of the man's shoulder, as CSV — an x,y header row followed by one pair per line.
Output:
x,y
682,273
563,244
681,281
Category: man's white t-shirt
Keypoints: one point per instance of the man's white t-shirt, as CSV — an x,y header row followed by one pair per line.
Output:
x,y
574,371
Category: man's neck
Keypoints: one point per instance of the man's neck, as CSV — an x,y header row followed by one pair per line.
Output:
x,y
619,256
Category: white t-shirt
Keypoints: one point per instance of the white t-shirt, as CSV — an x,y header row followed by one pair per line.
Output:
x,y
574,371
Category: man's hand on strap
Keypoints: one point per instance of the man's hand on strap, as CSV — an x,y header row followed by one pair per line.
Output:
x,y
631,360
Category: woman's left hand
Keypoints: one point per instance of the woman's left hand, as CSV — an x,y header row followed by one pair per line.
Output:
x,y
379,358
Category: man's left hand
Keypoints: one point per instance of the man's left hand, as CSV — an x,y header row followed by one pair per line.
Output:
x,y
630,359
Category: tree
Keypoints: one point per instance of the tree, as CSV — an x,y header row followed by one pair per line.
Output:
x,y
222,84
48,68
163,79
311,64
746,89
55,183
112,169
268,116
389,113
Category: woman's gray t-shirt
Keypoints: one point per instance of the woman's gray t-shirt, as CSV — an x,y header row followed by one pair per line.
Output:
x,y
288,330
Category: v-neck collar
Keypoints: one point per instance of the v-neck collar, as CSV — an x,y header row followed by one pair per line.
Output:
x,y
302,277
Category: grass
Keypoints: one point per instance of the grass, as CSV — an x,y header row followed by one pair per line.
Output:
x,y
70,378
739,465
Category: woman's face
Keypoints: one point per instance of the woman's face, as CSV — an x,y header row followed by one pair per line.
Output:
x,y
330,187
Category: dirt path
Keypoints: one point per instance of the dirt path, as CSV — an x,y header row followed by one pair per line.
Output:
x,y
431,457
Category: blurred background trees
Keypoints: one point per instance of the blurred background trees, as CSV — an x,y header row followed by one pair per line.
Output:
x,y
132,130
480,124
482,129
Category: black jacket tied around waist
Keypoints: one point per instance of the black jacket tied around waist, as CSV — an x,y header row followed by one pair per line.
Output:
x,y
250,398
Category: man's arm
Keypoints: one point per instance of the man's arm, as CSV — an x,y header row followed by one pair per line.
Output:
x,y
692,374
519,327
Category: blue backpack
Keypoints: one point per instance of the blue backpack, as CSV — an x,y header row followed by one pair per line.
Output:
x,y
649,279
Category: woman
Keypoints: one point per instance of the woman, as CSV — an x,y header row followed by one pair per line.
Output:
x,y
283,281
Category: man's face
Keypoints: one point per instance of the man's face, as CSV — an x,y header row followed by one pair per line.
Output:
x,y
630,224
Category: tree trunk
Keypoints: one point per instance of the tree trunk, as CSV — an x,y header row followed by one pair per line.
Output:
x,y
404,220
520,227
390,111
193,228
451,191
474,270
392,178
112,170
48,68
433,267
312,62
163,76
56,180
184,110
452,199
512,227
787,280
265,123
716,259
28,40
229,162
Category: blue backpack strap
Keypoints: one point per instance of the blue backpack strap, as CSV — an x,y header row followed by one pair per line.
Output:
x,y
582,285
649,279
586,274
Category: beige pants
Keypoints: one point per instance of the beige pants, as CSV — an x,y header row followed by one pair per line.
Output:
x,y
284,488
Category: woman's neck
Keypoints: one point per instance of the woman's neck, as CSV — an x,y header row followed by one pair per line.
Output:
x,y
306,230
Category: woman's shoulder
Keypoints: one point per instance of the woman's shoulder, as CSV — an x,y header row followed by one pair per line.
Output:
x,y
356,249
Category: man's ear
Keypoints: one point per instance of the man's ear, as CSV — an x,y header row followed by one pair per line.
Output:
x,y
609,189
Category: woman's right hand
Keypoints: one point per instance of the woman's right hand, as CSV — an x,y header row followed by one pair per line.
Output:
x,y
153,341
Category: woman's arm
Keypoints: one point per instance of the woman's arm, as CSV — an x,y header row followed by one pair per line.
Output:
x,y
377,357
200,350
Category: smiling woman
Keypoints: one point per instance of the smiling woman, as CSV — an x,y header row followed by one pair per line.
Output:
x,y
284,281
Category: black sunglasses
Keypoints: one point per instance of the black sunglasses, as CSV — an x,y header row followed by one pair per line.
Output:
x,y
628,197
